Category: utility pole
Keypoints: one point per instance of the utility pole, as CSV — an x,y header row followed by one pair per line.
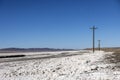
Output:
x,y
93,29
99,45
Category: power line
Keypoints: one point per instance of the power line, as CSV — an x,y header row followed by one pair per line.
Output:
x,y
93,29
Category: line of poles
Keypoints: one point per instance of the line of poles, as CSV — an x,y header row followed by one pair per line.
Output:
x,y
93,29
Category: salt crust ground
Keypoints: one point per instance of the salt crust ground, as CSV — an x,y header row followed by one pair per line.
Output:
x,y
86,66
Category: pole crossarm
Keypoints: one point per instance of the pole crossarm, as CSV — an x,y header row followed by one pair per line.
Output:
x,y
93,28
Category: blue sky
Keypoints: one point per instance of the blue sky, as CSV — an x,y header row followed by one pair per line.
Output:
x,y
59,23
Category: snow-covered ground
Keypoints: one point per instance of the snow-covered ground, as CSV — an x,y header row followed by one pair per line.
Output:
x,y
72,65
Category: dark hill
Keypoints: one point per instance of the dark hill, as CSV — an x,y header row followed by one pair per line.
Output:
x,y
8,50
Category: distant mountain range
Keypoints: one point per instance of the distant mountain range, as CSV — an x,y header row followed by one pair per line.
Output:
x,y
8,50
107,49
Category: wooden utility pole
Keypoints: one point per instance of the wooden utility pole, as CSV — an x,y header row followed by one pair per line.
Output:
x,y
93,29
99,45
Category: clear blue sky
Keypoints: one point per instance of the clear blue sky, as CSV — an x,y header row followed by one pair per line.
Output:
x,y
59,23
